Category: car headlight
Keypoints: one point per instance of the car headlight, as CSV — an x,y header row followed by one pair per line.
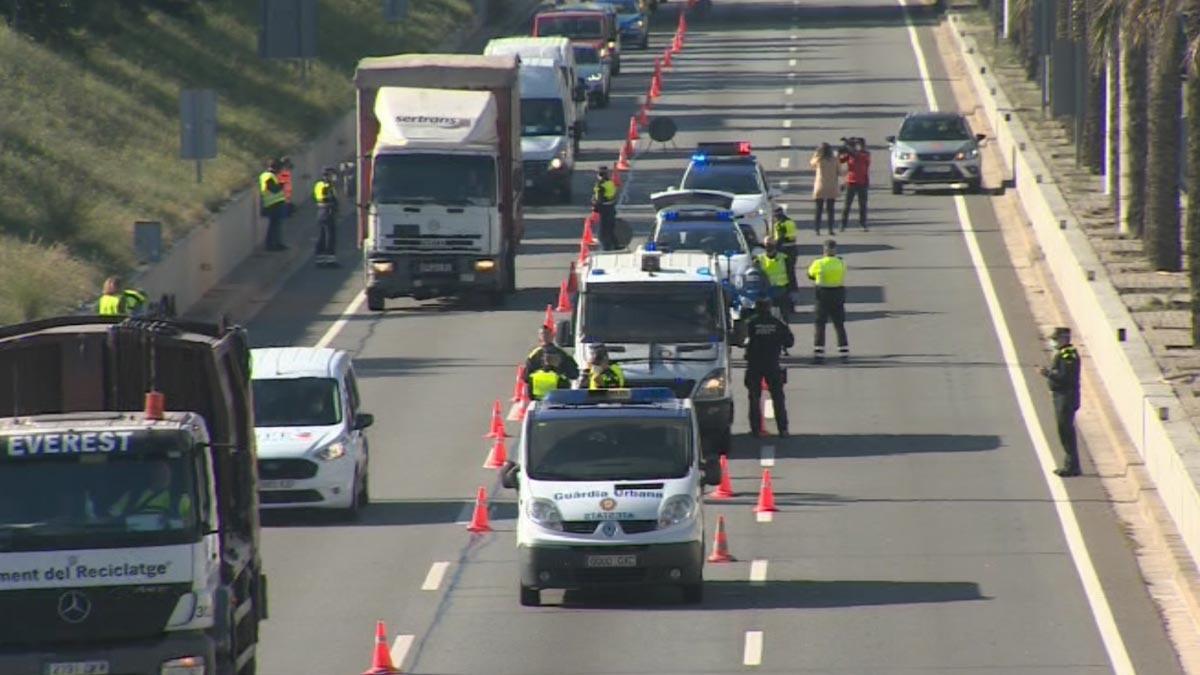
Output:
x,y
903,156
604,52
967,154
639,23
595,77
675,510
556,163
711,387
184,665
545,513
612,44
332,451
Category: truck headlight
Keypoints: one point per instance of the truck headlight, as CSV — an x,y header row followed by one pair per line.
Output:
x,y
332,451
612,44
639,23
485,265
675,510
545,513
184,665
556,163
712,386
383,266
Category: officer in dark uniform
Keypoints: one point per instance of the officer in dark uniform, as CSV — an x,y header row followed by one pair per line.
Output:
x,y
565,364
1063,378
766,338
604,203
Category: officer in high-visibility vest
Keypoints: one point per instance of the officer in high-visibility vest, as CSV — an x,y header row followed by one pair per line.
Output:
x,y
115,301
774,264
565,364
547,377
829,274
326,198
1063,378
604,203
604,374
273,201
157,498
784,233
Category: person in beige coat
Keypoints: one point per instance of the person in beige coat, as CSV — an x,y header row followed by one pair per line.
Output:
x,y
825,184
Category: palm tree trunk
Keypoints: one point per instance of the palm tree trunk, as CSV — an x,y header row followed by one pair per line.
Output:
x,y
1112,119
1192,93
1091,141
1163,245
1132,176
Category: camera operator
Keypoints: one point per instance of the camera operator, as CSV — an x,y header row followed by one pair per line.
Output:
x,y
857,158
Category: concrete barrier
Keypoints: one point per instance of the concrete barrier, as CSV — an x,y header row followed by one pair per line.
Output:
x,y
1147,407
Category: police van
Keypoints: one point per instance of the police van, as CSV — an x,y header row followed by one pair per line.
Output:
x,y
662,317
609,486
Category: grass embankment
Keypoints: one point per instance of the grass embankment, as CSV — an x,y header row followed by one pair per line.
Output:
x,y
89,130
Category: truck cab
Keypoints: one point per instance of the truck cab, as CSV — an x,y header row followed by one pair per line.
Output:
x,y
596,25
663,318
610,486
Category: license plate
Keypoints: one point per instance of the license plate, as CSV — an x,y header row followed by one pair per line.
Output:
x,y
77,668
937,169
276,484
611,561
437,267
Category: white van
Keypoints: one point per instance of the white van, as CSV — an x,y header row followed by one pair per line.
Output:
x,y
559,50
610,491
547,130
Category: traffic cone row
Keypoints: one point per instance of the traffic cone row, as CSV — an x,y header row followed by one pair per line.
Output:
x,y
520,381
497,456
766,495
632,134
548,321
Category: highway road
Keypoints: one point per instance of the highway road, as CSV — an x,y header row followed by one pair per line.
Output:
x,y
918,532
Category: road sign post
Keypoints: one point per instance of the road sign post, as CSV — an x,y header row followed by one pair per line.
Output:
x,y
198,127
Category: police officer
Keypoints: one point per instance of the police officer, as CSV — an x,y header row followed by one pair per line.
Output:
x,y
603,373
766,338
326,198
829,274
158,497
604,203
1063,378
774,265
547,377
273,202
565,365
784,233
116,301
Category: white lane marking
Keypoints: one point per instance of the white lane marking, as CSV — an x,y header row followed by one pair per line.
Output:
x,y
765,516
767,456
1110,634
342,320
400,647
752,652
791,75
783,185
792,63
787,124
768,408
437,572
787,140
784,162
795,36
758,571
793,49
789,91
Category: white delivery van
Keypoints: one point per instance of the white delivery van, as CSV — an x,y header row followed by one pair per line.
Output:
x,y
547,130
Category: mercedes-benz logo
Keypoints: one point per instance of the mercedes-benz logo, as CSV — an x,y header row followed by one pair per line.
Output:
x,y
74,607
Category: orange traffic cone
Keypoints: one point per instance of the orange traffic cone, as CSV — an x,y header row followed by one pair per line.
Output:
x,y
516,395
628,148
725,489
667,55
572,282
479,519
766,495
517,412
497,456
643,117
584,252
657,66
632,135
622,163
381,658
496,429
548,322
589,235
720,552
564,298
682,23
616,176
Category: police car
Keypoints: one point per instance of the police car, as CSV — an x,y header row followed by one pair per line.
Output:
x,y
312,451
609,486
702,221
731,167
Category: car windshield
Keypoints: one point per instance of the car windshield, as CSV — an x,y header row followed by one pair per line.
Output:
x,y
297,402
424,178
141,496
707,237
585,27
586,55
604,448
652,312
934,129
542,117
740,178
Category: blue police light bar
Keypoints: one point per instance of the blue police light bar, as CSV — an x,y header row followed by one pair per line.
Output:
x,y
724,215
699,157
723,148
670,215
598,396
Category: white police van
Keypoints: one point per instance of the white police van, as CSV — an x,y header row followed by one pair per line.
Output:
x,y
609,489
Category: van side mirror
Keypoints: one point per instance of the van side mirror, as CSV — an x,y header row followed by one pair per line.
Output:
x,y
363,420
508,475
712,471
564,334
891,139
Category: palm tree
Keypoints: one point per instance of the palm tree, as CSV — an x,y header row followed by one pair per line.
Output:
x,y
1192,94
1090,144
1163,244
1131,193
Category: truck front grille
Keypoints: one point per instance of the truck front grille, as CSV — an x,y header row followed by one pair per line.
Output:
x,y
627,526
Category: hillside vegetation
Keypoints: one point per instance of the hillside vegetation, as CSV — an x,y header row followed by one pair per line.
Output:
x,y
89,126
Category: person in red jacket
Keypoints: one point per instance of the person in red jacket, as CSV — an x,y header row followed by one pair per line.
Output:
x,y
857,158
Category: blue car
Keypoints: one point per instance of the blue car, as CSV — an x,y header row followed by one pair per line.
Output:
x,y
633,22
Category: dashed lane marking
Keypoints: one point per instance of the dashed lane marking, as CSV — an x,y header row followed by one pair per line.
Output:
x,y
758,571
437,572
785,162
792,63
752,652
787,141
767,456
789,91
400,647
342,320
765,516
787,124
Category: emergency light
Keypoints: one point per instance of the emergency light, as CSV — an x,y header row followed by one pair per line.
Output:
x,y
580,397
722,148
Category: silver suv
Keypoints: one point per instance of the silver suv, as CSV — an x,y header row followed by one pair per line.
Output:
x,y
935,148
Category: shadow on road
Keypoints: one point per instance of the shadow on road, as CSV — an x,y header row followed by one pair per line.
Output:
x,y
814,446
389,513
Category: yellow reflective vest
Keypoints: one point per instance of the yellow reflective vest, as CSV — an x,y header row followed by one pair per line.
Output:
x,y
775,268
322,192
268,197
828,271
152,502
609,378
785,231
109,305
543,382
606,192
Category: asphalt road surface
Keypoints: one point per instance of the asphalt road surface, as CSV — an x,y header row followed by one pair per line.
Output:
x,y
918,532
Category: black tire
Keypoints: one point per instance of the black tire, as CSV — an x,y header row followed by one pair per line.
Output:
x,y
364,490
250,667
897,187
376,301
530,597
693,594
352,512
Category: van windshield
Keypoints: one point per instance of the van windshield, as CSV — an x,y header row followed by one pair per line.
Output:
x,y
640,312
542,117
427,178
605,448
297,402
584,27
587,55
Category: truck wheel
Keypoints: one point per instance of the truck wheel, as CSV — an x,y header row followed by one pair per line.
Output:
x,y
530,597
897,187
693,594
375,301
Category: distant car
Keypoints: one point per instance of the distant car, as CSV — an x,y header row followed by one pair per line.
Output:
x,y
632,21
312,451
731,167
596,74
936,148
